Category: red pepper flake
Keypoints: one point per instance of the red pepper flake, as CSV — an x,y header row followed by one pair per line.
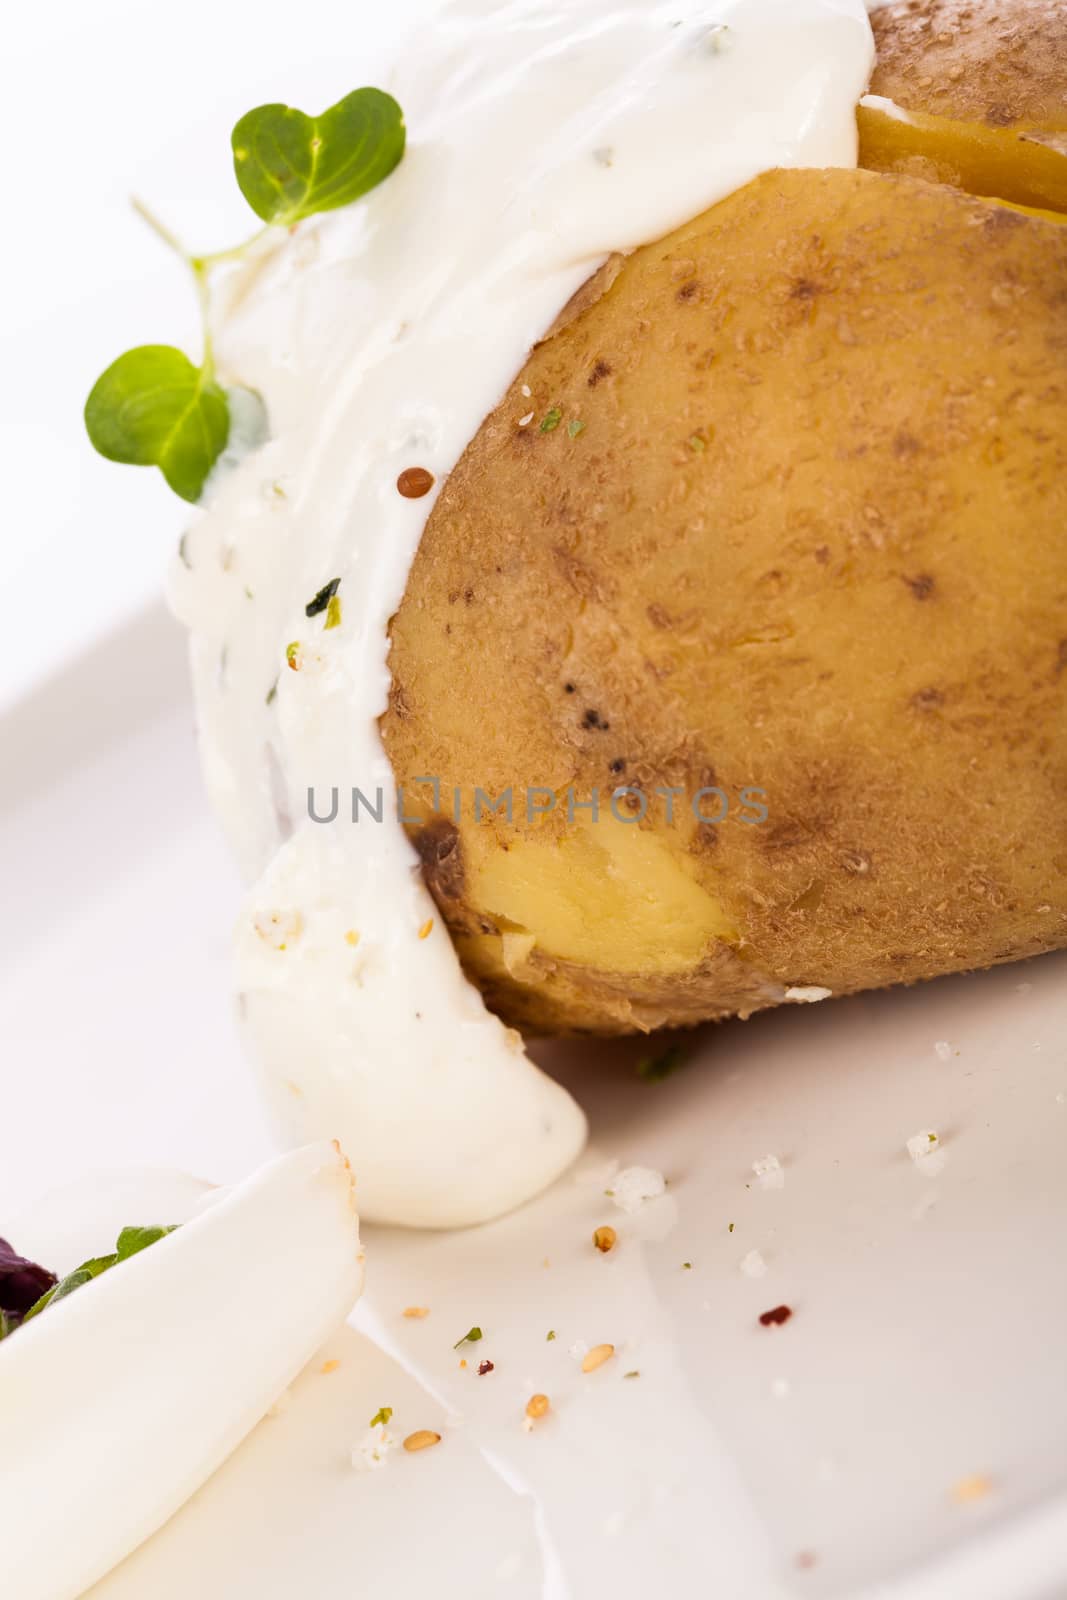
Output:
x,y
414,482
775,1318
484,1367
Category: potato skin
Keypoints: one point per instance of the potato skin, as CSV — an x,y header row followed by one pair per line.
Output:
x,y
984,86
998,62
851,593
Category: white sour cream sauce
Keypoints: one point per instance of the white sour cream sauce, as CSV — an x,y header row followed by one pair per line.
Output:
x,y
542,137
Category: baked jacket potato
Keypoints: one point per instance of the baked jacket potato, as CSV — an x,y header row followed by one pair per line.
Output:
x,y
788,531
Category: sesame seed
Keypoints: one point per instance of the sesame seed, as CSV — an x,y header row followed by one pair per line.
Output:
x,y
975,1487
422,1439
597,1356
416,1311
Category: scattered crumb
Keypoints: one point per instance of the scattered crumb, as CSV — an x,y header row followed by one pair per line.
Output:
x,y
604,156
426,929
975,1487
579,1348
943,1050
687,1266
805,1560
550,1335
352,937
605,1239
537,1406
484,1367
462,1364
768,1170
634,1185
597,1356
753,1265
775,1318
416,1312
729,1227
282,1404
329,1366
421,1439
807,994
278,928
719,38
633,1374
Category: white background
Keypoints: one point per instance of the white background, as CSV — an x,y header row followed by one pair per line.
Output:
x,y
103,100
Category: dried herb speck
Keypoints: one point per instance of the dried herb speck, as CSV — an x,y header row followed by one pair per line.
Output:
x,y
323,598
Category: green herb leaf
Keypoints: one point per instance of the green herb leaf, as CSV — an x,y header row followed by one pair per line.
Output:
x,y
575,427
382,1417
551,420
290,165
470,1337
153,408
73,1280
333,613
653,1069
130,1242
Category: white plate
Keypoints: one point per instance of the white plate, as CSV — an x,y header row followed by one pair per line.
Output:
x,y
819,1457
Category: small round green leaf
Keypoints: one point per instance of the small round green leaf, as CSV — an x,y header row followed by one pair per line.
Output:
x,y
290,165
152,407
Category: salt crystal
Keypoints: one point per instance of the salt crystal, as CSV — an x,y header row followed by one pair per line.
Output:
x,y
925,1150
768,1170
807,994
371,1451
753,1265
943,1050
631,1187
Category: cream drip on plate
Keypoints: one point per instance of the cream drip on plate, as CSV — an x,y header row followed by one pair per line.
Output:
x,y
542,137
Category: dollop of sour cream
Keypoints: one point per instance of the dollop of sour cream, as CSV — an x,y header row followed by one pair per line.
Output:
x,y
543,136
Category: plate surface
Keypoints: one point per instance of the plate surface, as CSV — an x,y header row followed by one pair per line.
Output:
x,y
901,1434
